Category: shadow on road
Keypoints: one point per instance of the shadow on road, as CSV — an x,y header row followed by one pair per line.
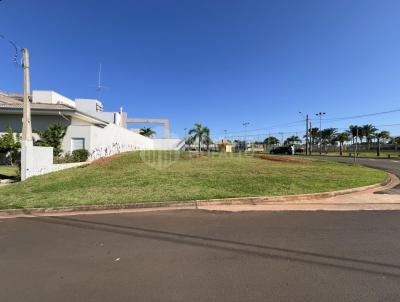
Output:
x,y
243,248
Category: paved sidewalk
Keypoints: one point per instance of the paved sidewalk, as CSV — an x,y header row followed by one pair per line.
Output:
x,y
368,200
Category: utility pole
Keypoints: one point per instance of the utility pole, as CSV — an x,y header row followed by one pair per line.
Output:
x,y
310,140
307,148
320,114
306,131
26,143
355,149
26,120
245,124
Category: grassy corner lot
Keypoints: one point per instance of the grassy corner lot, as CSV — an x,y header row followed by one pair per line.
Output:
x,y
165,176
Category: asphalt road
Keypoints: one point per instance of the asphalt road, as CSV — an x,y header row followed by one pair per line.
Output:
x,y
390,165
193,255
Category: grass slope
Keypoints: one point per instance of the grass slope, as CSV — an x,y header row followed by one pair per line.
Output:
x,y
135,177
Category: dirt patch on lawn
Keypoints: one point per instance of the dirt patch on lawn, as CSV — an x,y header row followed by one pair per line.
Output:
x,y
187,155
106,160
284,159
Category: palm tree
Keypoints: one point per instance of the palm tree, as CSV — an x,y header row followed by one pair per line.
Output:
x,y
271,140
368,131
381,136
395,140
353,131
292,140
327,136
199,133
341,138
147,132
189,141
207,141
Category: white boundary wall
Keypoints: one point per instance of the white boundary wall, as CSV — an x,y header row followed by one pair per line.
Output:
x,y
114,139
102,142
40,161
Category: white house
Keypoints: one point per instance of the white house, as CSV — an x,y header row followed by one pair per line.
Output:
x,y
88,125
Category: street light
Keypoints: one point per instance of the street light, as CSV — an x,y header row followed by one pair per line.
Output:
x,y
320,114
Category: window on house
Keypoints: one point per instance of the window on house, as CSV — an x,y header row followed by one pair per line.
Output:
x,y
77,144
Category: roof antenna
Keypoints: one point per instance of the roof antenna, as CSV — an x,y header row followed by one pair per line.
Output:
x,y
98,88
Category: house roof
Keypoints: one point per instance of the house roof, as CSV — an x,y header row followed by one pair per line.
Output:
x,y
15,101
12,103
224,142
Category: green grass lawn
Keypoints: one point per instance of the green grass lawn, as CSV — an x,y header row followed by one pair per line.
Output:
x,y
134,177
8,171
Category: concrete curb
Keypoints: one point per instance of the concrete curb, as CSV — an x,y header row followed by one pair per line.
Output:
x,y
9,213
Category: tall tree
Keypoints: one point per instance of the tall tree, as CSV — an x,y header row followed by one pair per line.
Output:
x,y
368,131
199,133
207,141
353,132
395,140
271,140
147,132
189,141
342,138
381,137
294,139
327,136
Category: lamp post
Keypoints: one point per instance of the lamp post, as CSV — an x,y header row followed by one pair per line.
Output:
x,y
320,114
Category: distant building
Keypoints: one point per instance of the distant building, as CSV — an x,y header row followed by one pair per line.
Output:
x,y
224,146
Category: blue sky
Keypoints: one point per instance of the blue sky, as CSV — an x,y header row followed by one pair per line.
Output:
x,y
216,62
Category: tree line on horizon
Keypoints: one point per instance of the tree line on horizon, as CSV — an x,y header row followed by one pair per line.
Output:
x,y
365,134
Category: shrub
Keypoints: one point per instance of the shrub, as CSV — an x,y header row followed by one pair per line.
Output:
x,y
52,137
10,145
80,155
67,158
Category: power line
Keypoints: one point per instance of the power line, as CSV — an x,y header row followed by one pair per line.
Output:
x,y
15,46
294,124
291,124
360,116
